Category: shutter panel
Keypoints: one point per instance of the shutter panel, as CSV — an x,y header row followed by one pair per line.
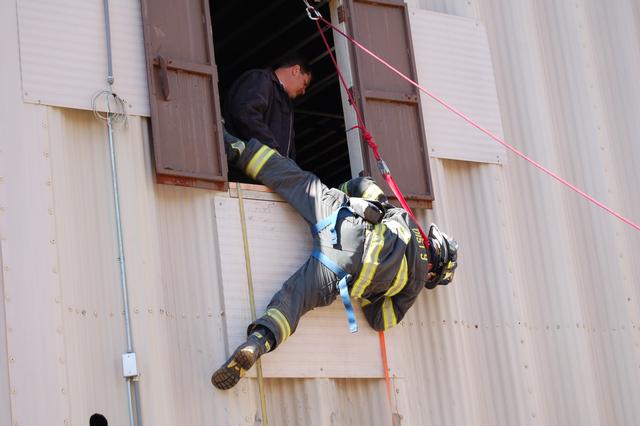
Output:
x,y
390,105
183,92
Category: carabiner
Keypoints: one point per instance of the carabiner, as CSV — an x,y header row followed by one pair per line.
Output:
x,y
312,12
382,166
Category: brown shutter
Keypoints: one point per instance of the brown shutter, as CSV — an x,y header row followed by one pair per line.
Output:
x,y
390,105
183,91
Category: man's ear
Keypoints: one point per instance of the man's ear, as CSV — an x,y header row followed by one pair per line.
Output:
x,y
295,70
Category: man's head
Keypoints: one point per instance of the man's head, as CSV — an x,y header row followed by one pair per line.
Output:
x,y
295,75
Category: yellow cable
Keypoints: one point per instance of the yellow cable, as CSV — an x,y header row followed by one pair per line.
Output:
x,y
245,240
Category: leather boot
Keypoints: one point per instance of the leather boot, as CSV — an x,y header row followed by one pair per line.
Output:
x,y
243,358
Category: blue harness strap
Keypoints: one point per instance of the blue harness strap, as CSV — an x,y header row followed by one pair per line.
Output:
x,y
342,285
331,221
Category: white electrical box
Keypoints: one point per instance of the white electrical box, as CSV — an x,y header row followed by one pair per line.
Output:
x,y
129,365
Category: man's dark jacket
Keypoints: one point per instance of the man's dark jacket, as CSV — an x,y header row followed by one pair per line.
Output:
x,y
257,106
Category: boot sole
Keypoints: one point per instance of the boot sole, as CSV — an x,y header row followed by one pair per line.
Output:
x,y
230,373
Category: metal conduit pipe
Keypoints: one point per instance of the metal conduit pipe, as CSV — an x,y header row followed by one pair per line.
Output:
x,y
130,370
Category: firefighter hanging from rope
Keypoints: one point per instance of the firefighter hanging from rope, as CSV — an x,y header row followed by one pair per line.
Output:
x,y
364,248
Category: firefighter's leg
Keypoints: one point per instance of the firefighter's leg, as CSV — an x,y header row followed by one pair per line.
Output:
x,y
303,190
311,286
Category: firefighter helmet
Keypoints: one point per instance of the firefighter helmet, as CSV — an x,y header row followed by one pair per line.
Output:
x,y
443,258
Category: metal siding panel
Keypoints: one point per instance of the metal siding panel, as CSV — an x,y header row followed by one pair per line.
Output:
x,y
172,272
35,344
5,386
341,354
63,53
91,300
457,68
573,349
9,85
32,320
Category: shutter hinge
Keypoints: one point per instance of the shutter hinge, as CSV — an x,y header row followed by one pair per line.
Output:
x,y
342,14
164,78
353,95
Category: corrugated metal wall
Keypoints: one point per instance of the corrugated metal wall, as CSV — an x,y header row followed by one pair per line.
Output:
x,y
542,325
547,278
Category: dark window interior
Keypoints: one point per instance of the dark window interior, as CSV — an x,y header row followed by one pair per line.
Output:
x,y
257,34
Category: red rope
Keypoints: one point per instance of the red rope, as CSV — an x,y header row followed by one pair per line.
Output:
x,y
385,365
482,129
366,135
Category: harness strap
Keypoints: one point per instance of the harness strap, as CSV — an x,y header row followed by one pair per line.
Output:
x,y
342,286
331,221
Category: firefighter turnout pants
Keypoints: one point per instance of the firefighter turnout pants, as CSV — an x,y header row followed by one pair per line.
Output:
x,y
314,284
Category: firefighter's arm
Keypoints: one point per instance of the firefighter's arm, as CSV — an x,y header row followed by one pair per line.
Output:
x,y
249,106
385,312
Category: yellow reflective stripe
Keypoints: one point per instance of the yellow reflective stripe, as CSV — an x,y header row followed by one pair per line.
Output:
x,y
262,163
343,188
400,280
400,231
370,263
388,313
372,192
255,159
279,318
258,160
274,314
365,302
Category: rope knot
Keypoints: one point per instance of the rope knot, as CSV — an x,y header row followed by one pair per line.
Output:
x,y
367,136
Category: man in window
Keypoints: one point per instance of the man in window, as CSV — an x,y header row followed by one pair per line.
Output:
x,y
259,106
363,248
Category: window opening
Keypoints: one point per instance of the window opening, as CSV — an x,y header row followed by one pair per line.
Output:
x,y
253,34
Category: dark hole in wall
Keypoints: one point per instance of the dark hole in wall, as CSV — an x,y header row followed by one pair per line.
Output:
x,y
98,420
256,34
